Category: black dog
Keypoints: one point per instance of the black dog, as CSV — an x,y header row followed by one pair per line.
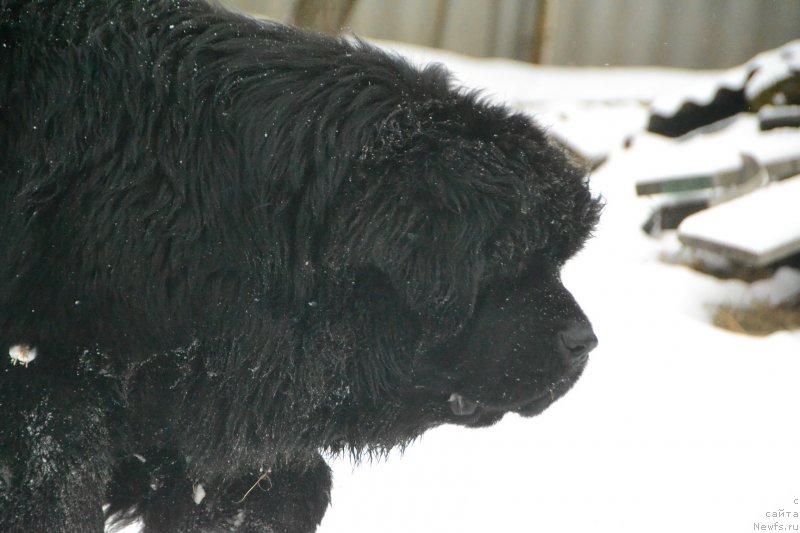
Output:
x,y
229,245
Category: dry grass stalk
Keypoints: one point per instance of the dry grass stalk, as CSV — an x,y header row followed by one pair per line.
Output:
x,y
760,318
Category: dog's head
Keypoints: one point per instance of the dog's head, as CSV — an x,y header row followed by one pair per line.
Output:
x,y
455,232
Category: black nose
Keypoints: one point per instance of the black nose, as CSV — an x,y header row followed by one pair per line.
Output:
x,y
577,340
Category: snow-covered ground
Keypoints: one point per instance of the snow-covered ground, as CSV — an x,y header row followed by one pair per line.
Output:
x,y
676,426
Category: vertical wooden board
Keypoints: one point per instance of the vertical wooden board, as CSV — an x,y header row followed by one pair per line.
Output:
x,y
467,27
410,20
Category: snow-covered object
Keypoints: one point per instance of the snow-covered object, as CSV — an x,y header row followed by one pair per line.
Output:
x,y
770,68
716,158
779,116
701,94
22,353
781,287
744,88
757,229
754,77
198,493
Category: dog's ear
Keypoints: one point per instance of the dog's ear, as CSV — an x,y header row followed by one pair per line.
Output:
x,y
425,215
434,270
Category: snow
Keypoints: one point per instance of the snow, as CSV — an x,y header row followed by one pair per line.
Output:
x,y
520,84
198,493
22,353
675,426
754,77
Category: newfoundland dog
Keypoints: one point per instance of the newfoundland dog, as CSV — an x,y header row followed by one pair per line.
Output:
x,y
230,246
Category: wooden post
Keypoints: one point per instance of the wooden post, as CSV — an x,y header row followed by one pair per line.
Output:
x,y
440,23
541,33
325,16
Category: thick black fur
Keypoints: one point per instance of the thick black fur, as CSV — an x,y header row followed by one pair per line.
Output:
x,y
235,246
